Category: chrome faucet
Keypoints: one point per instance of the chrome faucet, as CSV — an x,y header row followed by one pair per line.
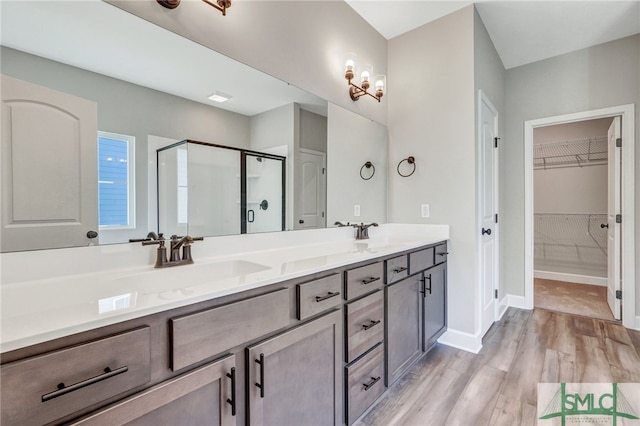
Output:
x,y
175,244
362,230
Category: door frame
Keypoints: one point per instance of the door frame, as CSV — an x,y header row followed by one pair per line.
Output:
x,y
483,99
627,112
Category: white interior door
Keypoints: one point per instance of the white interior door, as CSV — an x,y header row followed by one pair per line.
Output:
x,y
49,168
312,200
613,209
488,169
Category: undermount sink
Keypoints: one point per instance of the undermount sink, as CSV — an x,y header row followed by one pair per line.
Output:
x,y
185,276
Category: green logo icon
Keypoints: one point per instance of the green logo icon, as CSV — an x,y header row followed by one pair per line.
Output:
x,y
613,404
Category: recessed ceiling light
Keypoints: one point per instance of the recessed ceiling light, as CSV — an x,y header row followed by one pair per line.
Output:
x,y
219,97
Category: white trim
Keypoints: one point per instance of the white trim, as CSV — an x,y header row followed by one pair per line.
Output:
x,y
502,307
570,278
483,99
628,285
637,327
517,302
462,340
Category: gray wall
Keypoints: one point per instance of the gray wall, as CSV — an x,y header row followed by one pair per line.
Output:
x,y
133,110
313,131
352,141
432,117
598,77
300,42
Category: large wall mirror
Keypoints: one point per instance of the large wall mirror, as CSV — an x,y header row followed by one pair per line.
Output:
x,y
99,76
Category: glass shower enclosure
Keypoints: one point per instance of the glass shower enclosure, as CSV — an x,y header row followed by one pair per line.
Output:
x,y
207,190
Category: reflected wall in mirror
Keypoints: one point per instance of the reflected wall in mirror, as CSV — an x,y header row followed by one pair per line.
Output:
x,y
142,93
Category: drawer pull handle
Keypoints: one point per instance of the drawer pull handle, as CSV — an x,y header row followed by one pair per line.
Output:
x,y
398,270
370,280
444,253
261,384
329,295
371,324
372,382
232,400
63,389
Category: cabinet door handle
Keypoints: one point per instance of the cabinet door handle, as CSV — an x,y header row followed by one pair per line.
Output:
x,y
261,384
398,270
232,400
329,295
63,389
370,280
444,253
371,324
372,382
424,285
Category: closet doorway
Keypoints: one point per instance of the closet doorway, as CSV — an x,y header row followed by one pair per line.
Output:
x,y
571,164
621,283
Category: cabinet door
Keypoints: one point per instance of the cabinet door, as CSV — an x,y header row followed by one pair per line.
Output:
x,y
204,396
294,377
404,326
49,167
435,304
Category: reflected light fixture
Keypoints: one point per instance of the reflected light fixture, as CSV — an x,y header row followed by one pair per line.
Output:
x,y
221,5
366,77
219,97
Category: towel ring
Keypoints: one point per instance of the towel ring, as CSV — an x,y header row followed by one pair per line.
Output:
x,y
409,160
368,165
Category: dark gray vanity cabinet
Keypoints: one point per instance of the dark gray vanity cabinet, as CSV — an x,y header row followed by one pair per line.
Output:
x,y
435,304
294,377
404,306
206,395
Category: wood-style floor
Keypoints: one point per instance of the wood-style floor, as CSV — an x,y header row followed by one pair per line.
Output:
x,y
498,386
571,298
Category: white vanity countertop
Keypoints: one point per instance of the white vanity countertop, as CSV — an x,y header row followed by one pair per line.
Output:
x,y
55,293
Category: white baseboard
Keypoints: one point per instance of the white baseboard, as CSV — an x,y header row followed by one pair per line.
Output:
x,y
637,322
461,340
517,302
502,307
570,278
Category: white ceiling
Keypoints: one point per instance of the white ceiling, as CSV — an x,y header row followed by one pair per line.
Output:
x,y
522,31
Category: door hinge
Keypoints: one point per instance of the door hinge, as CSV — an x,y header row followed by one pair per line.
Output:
x,y
496,217
322,214
618,142
618,218
323,170
496,293
619,294
495,142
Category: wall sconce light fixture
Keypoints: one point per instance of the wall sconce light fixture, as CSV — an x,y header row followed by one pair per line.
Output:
x,y
366,77
221,5
410,161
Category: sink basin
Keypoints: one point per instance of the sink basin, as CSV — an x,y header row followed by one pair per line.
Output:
x,y
185,276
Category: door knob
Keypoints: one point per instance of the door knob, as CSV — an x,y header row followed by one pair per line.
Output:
x,y
92,234
301,221
604,225
486,231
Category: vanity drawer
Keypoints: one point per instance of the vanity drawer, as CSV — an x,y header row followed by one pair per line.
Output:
x,y
365,324
364,382
396,269
441,253
44,388
364,279
318,296
421,260
201,335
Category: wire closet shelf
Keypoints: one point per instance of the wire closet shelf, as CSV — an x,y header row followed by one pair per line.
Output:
x,y
570,153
